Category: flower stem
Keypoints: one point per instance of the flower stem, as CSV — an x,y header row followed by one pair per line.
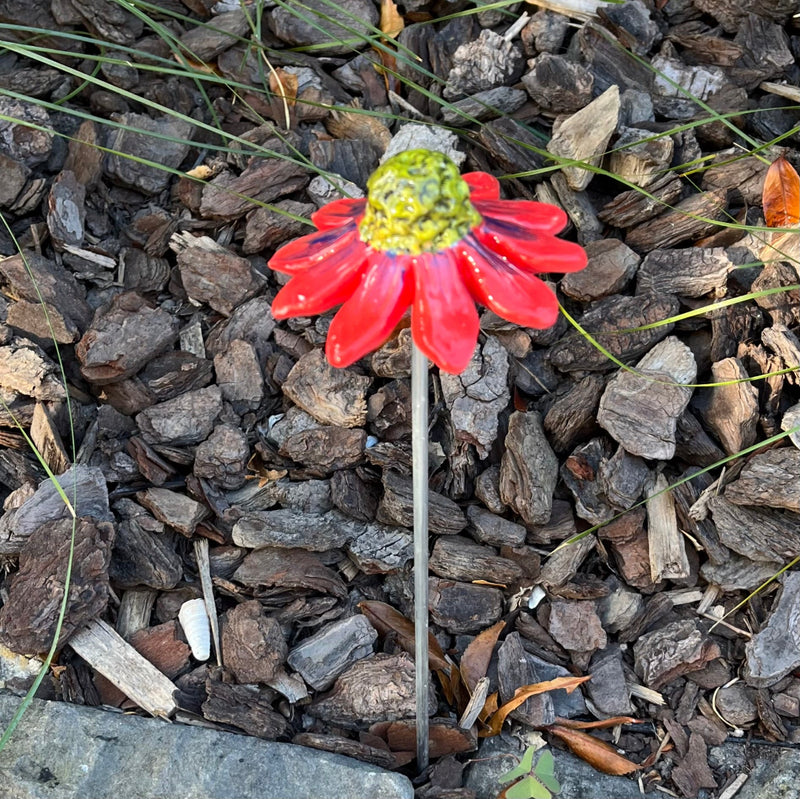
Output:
x,y
419,456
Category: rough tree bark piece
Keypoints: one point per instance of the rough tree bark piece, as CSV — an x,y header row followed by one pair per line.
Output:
x,y
124,336
769,478
638,158
529,469
458,558
245,708
332,396
265,179
684,221
26,370
47,439
187,419
558,84
732,410
584,136
254,646
377,688
692,272
322,657
272,571
489,528
675,649
222,458
239,375
478,395
445,517
608,688
667,545
142,555
463,607
611,266
105,651
563,564
515,671
180,512
641,412
213,274
573,413
760,534
576,625
633,207
629,544
128,141
573,353
29,616
86,483
326,448
57,288
775,651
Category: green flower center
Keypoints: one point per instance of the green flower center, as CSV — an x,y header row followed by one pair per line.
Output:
x,y
417,202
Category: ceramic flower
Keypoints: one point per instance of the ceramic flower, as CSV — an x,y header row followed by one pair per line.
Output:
x,y
429,238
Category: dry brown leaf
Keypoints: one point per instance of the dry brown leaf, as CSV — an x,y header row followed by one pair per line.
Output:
x,y
490,706
595,752
475,661
284,85
391,21
781,195
385,619
597,725
569,684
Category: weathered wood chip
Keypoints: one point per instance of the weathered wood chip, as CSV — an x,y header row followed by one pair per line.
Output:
x,y
445,517
213,274
288,570
29,616
477,396
604,321
692,272
187,419
515,671
254,646
176,510
769,478
125,335
608,688
611,266
576,625
161,646
376,688
332,396
244,708
775,651
528,469
322,657
458,558
693,772
584,136
641,411
675,649
463,607
489,528
265,179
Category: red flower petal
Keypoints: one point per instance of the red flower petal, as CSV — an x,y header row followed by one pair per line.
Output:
x,y
313,291
536,251
367,319
338,213
510,292
482,186
314,249
444,322
523,215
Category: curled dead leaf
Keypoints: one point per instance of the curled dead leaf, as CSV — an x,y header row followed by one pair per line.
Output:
x,y
569,684
391,21
781,195
475,661
595,752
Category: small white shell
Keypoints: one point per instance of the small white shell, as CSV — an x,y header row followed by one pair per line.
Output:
x,y
196,627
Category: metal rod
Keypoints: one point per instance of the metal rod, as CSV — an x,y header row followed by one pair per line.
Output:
x,y
419,455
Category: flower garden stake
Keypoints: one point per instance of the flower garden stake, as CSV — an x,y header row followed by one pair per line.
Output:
x,y
433,240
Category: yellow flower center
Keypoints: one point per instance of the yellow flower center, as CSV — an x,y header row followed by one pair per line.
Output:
x,y
417,202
